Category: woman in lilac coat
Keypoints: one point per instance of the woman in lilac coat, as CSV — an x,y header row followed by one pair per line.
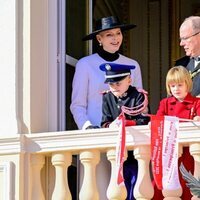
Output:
x,y
88,83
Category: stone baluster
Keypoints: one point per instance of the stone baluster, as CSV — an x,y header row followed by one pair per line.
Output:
x,y
89,159
174,194
37,162
195,152
143,187
61,162
115,191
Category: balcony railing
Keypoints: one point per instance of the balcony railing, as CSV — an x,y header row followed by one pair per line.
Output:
x,y
24,163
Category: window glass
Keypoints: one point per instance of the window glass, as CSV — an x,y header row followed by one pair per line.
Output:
x,y
76,25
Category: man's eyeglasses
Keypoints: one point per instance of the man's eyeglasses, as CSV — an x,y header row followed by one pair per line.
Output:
x,y
186,38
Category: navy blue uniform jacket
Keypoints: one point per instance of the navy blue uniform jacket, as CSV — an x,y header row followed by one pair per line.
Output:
x,y
112,106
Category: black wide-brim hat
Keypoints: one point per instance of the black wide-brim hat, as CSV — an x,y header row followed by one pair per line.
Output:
x,y
107,23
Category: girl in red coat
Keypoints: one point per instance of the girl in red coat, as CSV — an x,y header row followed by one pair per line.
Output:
x,y
182,104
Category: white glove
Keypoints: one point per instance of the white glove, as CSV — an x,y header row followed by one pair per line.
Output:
x,y
115,124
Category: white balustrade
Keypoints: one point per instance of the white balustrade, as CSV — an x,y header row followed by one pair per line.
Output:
x,y
89,159
143,188
115,191
174,194
37,162
88,144
61,161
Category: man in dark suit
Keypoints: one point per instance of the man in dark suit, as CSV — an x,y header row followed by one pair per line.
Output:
x,y
190,40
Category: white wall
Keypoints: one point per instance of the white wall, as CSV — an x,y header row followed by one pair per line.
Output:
x,y
8,123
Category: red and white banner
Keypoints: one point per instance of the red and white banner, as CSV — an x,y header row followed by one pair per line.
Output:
x,y
120,149
164,151
121,123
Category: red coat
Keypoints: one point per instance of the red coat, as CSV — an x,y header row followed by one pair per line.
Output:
x,y
187,109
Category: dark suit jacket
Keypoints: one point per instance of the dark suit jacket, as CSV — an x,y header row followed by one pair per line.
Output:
x,y
189,64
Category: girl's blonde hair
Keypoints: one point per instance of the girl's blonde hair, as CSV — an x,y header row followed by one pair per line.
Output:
x,y
178,74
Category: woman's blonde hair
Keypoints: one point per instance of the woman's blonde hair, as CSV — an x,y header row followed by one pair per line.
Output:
x,y
178,74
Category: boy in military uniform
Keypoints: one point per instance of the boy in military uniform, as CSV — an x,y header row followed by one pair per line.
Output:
x,y
123,97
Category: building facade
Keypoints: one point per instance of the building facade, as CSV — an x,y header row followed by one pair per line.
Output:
x,y
40,45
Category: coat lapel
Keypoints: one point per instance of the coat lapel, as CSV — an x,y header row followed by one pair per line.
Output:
x,y
190,65
195,71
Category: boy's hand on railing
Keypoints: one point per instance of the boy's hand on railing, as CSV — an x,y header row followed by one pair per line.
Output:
x,y
92,127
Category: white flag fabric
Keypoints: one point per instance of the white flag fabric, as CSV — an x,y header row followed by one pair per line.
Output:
x,y
120,149
164,151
